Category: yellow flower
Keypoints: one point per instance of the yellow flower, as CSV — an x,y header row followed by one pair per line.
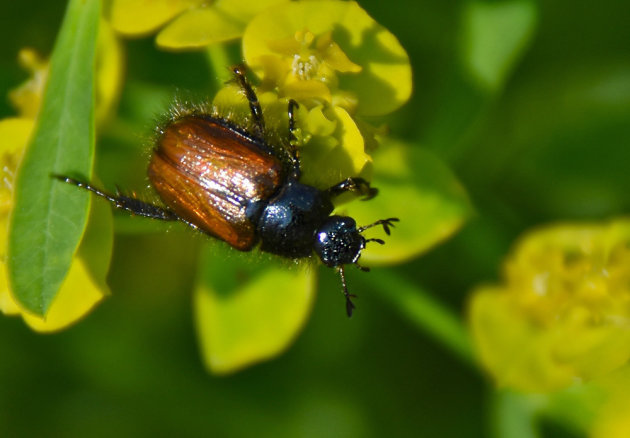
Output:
x,y
329,51
186,24
562,313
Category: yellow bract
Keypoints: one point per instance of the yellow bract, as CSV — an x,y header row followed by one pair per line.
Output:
x,y
334,149
563,312
188,24
140,17
251,324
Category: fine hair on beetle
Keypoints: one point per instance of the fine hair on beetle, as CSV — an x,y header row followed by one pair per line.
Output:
x,y
239,181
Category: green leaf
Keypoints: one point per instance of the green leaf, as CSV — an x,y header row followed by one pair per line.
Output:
x,y
418,188
248,308
49,217
495,34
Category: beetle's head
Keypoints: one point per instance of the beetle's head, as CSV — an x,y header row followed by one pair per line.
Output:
x,y
339,242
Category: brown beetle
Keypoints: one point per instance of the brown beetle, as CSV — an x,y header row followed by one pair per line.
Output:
x,y
227,182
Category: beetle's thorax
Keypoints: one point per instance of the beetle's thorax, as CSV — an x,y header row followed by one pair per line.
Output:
x,y
290,220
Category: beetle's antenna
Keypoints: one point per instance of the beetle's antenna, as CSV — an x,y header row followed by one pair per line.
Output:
x,y
386,223
349,303
254,104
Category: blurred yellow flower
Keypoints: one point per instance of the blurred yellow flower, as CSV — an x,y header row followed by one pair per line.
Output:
x,y
562,313
186,24
26,98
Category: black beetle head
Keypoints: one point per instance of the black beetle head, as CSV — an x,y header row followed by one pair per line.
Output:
x,y
339,242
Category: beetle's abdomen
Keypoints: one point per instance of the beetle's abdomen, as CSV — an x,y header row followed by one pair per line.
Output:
x,y
208,173
290,220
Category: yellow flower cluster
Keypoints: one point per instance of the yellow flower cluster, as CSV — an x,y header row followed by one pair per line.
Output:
x,y
563,312
330,56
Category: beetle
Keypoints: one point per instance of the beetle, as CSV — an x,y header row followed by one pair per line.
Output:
x,y
227,182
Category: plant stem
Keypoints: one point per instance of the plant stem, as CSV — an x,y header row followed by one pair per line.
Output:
x,y
425,312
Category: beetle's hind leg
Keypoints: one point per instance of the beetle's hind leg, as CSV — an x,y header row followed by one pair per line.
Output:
x,y
132,205
254,104
354,185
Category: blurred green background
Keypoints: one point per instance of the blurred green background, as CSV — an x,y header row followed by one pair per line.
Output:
x,y
548,142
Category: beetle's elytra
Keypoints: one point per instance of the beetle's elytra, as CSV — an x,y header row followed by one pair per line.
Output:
x,y
210,174
227,182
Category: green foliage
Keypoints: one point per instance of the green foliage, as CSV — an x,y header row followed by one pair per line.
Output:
x,y
520,109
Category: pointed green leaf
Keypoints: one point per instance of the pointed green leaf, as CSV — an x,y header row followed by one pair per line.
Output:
x,y
49,217
248,309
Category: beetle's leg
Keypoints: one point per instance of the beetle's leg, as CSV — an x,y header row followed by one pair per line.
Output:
x,y
293,140
132,205
386,223
355,185
349,303
254,104
379,241
362,268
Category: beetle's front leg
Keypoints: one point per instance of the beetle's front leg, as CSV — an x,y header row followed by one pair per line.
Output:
x,y
354,185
